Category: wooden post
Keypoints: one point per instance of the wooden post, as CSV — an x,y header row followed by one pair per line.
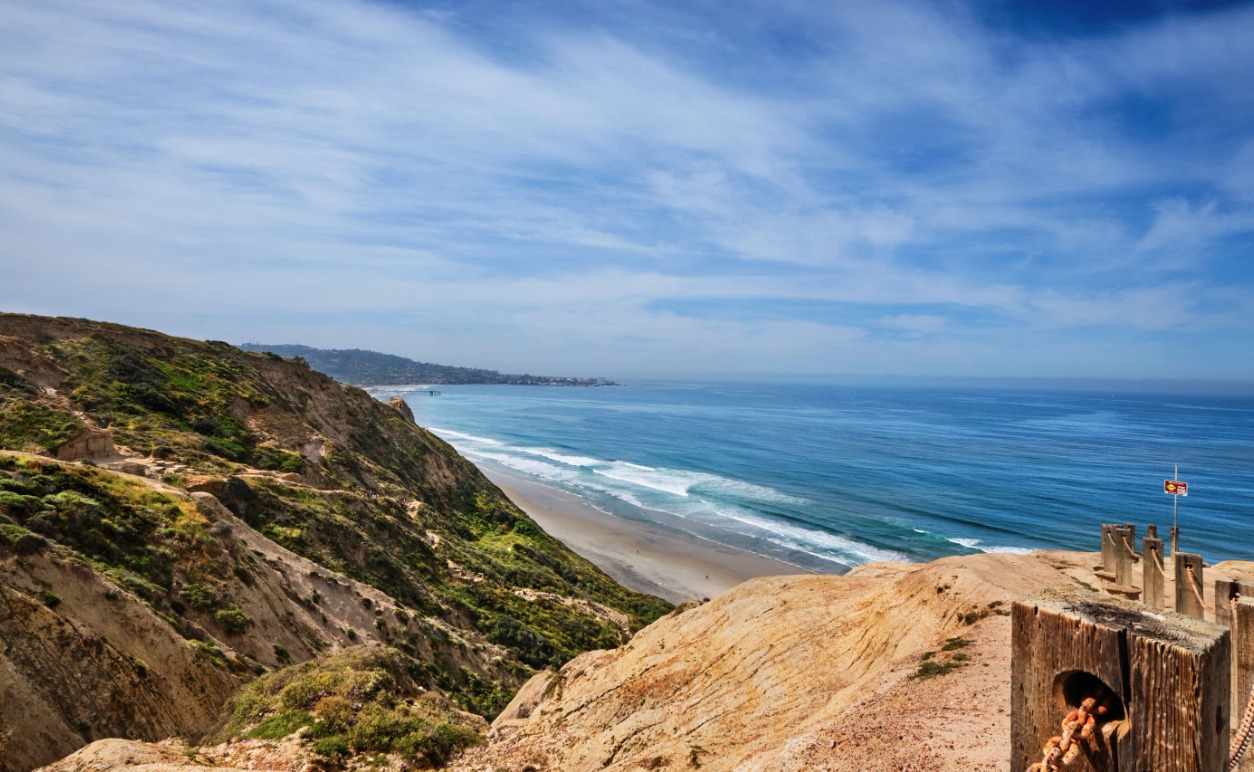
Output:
x,y
1167,675
1186,600
1225,590
1107,569
1123,568
1243,663
1151,576
1151,531
1129,531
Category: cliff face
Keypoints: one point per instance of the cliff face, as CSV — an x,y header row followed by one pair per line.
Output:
x,y
177,517
889,667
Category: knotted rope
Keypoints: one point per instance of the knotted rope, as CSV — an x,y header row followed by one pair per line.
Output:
x,y
1246,732
1158,561
1077,734
1131,551
1196,590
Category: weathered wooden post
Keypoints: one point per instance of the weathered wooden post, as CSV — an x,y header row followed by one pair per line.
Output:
x,y
1107,568
1189,585
1164,678
1243,663
1124,585
1152,579
1226,591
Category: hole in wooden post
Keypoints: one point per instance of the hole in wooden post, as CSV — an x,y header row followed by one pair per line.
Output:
x,y
1072,686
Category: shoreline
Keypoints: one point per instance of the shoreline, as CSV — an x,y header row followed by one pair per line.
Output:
x,y
673,566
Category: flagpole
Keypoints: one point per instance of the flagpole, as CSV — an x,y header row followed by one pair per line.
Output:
x,y
1175,526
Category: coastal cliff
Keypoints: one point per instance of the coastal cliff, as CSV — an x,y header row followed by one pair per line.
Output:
x,y
892,666
179,517
212,559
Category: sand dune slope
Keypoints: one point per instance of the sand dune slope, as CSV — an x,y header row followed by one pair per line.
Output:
x,y
802,672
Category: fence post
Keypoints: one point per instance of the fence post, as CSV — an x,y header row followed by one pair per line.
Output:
x,y
1151,574
1242,641
1124,584
1107,568
1186,600
1166,677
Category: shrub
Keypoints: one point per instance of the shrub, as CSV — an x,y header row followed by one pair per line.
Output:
x,y
934,668
281,725
233,620
202,597
363,700
335,745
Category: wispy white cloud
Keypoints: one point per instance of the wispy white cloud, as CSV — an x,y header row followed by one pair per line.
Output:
x,y
901,176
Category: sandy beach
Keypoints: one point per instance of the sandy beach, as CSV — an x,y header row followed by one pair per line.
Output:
x,y
673,566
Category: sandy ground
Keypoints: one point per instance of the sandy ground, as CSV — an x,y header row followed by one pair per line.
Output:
x,y
673,566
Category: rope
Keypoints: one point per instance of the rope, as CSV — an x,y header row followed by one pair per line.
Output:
x,y
1077,732
1244,734
1132,551
1157,560
1196,590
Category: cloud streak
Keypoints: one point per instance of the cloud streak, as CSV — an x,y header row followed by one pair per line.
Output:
x,y
872,188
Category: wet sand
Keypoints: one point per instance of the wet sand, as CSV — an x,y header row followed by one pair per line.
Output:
x,y
674,566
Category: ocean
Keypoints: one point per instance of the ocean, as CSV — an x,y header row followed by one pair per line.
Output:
x,y
827,477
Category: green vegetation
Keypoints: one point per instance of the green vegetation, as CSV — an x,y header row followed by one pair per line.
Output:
x,y
370,368
232,620
347,533
932,668
245,419
131,532
366,699
929,666
28,424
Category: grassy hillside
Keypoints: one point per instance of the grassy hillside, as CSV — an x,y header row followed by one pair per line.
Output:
x,y
370,368
451,574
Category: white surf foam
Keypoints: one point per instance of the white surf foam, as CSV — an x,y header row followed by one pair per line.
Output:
x,y
560,457
529,466
666,481
976,544
451,435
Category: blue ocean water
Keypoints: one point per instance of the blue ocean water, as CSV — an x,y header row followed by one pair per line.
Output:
x,y
827,477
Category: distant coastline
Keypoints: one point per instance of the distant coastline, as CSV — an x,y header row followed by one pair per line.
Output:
x,y
362,367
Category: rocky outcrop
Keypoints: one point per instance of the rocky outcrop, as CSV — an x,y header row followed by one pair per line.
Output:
x,y
402,407
92,443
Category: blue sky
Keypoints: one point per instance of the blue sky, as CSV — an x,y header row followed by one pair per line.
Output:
x,y
630,189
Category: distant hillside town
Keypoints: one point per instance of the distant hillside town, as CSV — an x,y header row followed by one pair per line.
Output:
x,y
370,368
